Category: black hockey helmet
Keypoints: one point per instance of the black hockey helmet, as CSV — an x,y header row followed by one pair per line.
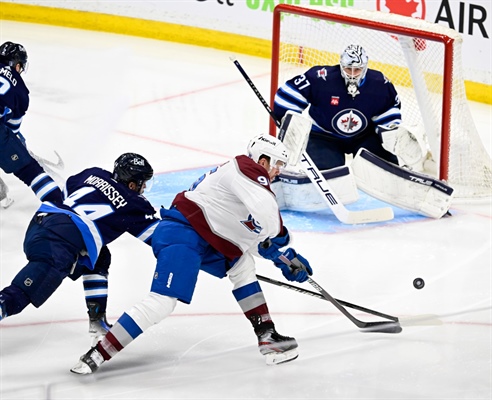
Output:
x,y
132,167
13,54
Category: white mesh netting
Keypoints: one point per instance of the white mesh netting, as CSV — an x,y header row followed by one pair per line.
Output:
x,y
415,66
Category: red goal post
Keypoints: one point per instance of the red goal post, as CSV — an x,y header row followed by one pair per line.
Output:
x,y
422,59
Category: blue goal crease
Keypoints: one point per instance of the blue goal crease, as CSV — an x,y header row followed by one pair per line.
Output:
x,y
166,185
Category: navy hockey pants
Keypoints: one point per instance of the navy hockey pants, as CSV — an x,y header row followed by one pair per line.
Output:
x,y
52,245
15,158
329,153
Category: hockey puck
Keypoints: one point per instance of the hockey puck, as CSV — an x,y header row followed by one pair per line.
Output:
x,y
418,283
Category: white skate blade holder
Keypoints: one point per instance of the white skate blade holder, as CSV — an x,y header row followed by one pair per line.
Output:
x,y
279,358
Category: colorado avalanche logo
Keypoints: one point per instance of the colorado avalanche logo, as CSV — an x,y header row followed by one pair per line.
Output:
x,y
349,122
252,225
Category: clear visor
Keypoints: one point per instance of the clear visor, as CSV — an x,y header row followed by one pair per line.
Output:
x,y
24,67
279,164
147,186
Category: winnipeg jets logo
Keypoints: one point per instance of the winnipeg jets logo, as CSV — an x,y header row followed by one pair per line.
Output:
x,y
322,73
252,225
349,122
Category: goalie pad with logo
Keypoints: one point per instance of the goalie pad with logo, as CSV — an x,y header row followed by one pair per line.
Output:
x,y
401,187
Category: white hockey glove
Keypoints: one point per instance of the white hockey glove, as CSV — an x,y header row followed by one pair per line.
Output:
x,y
403,143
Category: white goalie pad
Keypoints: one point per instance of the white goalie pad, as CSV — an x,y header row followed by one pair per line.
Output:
x,y
294,133
401,187
295,191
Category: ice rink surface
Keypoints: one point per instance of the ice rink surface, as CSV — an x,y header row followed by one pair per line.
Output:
x,y
95,96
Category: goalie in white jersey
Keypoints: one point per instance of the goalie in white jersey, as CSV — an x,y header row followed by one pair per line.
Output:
x,y
226,217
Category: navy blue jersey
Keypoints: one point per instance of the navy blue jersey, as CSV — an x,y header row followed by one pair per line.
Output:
x,y
104,209
335,112
14,97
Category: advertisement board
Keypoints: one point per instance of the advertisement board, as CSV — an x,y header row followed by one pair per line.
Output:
x,y
253,18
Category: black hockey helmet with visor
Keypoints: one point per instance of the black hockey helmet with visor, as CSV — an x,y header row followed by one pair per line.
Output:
x,y
132,167
12,54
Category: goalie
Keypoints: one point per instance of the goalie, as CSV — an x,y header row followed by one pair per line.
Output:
x,y
351,108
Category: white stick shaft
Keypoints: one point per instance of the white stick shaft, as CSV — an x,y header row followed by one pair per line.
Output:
x,y
341,212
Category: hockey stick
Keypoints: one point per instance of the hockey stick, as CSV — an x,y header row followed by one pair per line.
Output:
x,y
58,164
322,186
378,326
319,296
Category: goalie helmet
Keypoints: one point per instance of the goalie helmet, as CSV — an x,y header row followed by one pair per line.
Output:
x,y
353,66
12,54
132,167
270,146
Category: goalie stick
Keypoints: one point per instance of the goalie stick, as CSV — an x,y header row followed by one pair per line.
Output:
x,y
322,186
321,297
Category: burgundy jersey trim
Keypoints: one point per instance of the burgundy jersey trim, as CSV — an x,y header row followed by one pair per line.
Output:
x,y
194,214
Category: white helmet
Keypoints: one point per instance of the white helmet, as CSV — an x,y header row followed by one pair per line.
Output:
x,y
354,57
269,146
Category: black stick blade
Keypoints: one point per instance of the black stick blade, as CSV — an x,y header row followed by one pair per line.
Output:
x,y
382,327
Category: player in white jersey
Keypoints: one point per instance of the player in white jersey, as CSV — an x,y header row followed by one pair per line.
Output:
x,y
227,216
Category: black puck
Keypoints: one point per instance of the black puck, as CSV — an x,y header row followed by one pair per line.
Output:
x,y
418,283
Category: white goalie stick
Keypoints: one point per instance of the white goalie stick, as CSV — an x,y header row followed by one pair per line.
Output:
x,y
297,146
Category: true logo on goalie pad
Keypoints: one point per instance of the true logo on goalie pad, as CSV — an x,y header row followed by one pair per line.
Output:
x,y
401,187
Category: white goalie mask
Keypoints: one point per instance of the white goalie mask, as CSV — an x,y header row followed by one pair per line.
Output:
x,y
353,66
269,146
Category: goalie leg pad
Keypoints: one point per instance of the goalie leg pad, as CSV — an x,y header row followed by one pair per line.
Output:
x,y
398,186
295,191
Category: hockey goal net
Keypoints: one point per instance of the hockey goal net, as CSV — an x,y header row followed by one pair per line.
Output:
x,y
422,59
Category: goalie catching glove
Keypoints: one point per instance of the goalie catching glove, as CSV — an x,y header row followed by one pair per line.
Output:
x,y
404,143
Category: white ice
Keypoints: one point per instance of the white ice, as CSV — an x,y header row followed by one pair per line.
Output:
x,y
97,95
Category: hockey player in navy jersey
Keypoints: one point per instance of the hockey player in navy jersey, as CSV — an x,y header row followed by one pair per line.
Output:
x,y
70,239
350,106
226,217
14,156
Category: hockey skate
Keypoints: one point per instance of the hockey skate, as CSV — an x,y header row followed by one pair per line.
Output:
x,y
276,348
88,363
98,329
98,324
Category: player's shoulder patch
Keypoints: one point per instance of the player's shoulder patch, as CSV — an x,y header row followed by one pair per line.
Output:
x,y
253,170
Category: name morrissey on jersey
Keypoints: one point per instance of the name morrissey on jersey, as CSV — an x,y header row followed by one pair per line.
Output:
x,y
108,190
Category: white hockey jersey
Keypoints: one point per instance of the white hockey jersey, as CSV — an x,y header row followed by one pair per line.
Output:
x,y
232,207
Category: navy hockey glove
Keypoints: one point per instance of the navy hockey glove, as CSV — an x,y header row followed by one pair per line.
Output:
x,y
269,248
294,266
